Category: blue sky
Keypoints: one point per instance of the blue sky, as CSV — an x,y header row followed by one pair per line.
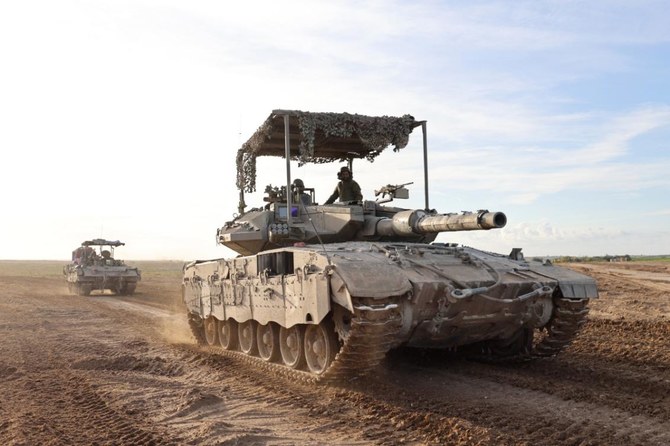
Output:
x,y
121,119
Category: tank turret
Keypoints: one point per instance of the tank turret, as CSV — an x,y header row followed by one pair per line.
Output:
x,y
260,229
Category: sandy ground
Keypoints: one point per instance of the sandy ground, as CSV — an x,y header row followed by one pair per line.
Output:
x,y
125,370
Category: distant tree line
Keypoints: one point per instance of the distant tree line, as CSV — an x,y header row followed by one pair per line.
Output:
x,y
605,258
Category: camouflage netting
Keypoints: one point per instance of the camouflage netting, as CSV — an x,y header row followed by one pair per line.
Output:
x,y
246,170
321,138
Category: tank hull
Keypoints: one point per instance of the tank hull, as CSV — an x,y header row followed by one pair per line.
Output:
x,y
372,297
82,279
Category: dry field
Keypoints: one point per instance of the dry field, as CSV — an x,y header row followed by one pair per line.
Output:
x,y
125,370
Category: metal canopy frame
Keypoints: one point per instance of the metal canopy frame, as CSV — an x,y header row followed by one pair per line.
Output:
x,y
102,242
309,137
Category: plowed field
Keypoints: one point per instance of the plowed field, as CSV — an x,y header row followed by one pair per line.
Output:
x,y
107,369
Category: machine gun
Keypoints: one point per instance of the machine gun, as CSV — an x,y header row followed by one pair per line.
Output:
x,y
393,191
274,194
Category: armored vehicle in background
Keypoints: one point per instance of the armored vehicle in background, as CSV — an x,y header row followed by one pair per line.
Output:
x,y
94,267
322,292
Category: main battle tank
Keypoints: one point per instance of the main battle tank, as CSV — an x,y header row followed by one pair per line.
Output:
x,y
323,292
94,267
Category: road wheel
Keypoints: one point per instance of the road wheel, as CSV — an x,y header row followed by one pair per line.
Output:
x,y
292,346
246,333
267,337
84,289
211,330
228,334
320,346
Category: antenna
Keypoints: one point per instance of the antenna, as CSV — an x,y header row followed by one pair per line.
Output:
x,y
309,218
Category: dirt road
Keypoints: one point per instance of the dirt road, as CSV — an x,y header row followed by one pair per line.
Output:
x,y
125,370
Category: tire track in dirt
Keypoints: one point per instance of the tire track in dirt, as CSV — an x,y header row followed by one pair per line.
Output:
x,y
57,404
222,393
115,358
355,409
537,411
594,370
97,373
575,386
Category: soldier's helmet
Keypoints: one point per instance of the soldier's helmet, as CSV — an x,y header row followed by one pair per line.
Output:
x,y
298,183
106,254
344,169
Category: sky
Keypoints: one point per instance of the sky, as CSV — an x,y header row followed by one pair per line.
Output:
x,y
121,119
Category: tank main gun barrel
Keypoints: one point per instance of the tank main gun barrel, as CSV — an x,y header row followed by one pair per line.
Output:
x,y
413,222
463,222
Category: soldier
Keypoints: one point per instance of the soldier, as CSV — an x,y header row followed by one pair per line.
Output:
x,y
299,194
107,257
347,189
89,256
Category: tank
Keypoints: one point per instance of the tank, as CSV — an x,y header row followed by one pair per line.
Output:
x,y
94,267
323,292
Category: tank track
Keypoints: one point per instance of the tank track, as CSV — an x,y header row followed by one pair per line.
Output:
x,y
371,335
197,328
568,317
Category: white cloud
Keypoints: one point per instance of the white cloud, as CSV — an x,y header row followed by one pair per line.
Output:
x,y
598,164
